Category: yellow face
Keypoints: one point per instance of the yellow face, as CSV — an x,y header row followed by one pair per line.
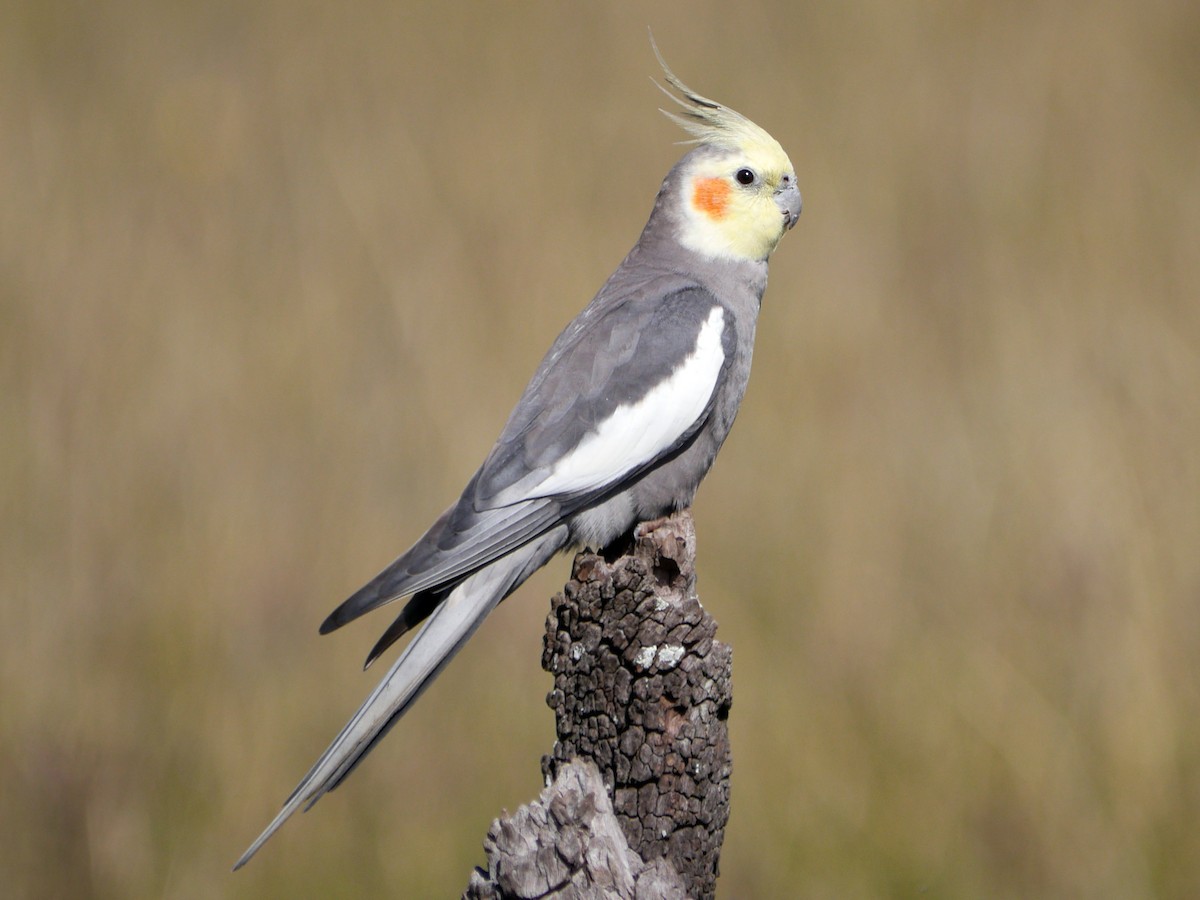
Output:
x,y
737,204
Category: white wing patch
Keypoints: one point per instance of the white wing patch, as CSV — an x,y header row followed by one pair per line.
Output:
x,y
638,432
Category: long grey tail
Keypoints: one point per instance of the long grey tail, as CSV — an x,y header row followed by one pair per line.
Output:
x,y
448,628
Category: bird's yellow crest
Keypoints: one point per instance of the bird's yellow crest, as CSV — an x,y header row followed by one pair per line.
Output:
x,y
711,123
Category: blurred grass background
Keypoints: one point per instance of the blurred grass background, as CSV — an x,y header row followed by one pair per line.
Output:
x,y
272,275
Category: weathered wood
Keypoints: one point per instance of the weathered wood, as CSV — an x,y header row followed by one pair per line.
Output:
x,y
641,689
567,845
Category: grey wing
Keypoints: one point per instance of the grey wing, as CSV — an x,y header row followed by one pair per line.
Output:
x,y
603,370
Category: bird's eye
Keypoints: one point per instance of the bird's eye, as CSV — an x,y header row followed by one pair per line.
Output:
x,y
745,176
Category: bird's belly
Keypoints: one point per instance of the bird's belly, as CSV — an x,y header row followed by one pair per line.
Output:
x,y
668,487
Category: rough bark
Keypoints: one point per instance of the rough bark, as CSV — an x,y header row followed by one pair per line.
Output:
x,y
642,690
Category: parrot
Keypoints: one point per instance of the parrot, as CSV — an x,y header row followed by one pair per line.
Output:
x,y
619,424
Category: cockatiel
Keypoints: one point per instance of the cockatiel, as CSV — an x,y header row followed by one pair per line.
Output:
x,y
619,424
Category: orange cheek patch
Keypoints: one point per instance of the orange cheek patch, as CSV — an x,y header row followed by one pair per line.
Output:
x,y
711,196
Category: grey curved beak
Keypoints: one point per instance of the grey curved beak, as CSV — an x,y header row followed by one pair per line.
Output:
x,y
787,198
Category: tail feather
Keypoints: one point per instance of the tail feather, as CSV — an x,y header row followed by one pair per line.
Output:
x,y
449,626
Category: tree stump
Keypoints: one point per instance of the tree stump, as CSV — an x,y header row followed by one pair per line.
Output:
x,y
642,690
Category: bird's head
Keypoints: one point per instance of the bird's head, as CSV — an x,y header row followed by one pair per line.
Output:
x,y
737,193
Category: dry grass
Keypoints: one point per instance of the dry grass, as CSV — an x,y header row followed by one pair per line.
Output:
x,y
271,275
